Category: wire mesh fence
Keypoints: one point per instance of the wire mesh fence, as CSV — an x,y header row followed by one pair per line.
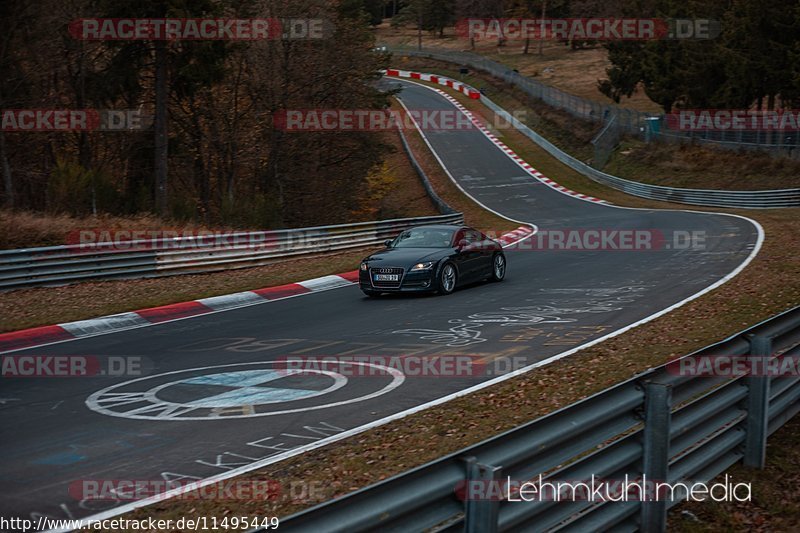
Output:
x,y
647,126
605,143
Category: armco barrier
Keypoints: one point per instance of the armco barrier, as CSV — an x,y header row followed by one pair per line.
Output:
x,y
760,199
660,424
629,121
478,123
440,204
54,265
708,197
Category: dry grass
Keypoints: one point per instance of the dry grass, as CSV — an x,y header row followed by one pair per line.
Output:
x,y
396,190
447,190
694,166
573,71
21,229
774,506
557,126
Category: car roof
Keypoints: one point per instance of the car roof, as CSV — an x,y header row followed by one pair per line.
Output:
x,y
441,226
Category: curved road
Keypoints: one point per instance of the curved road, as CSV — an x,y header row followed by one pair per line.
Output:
x,y
187,420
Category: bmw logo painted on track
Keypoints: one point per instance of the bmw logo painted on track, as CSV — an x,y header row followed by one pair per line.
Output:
x,y
240,390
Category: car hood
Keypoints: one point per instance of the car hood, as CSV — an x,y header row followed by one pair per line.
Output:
x,y
406,257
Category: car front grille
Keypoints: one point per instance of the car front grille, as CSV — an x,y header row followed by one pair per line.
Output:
x,y
386,284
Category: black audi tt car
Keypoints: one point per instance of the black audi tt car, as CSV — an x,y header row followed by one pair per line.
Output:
x,y
432,258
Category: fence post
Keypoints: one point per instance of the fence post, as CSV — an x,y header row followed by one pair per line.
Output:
x,y
481,513
658,415
755,448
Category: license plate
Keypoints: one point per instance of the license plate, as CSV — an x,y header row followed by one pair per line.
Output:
x,y
386,277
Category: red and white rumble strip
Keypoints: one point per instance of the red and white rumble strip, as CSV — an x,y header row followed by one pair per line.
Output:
x,y
476,95
28,338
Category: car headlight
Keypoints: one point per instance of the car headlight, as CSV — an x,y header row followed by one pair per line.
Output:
x,y
363,267
422,266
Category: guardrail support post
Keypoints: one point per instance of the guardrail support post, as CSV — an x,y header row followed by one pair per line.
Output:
x,y
755,448
658,415
482,502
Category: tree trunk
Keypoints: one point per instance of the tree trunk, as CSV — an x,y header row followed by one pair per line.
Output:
x,y
541,37
8,182
419,29
84,150
203,186
161,142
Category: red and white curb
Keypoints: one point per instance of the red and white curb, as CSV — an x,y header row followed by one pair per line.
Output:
x,y
515,236
18,340
433,78
28,338
476,95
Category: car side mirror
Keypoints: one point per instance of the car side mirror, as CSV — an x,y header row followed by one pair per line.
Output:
x,y
462,244
388,242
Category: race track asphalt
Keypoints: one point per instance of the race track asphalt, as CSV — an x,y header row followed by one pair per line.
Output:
x,y
212,399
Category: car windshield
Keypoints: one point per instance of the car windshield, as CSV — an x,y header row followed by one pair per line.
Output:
x,y
424,238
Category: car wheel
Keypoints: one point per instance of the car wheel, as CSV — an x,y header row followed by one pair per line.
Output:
x,y
498,267
447,278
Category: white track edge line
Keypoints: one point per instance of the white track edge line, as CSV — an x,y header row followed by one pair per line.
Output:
x,y
532,171
534,227
759,229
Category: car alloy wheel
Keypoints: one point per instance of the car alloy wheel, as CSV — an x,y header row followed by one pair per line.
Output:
x,y
447,279
498,267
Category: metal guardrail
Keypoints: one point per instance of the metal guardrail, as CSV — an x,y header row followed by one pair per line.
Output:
x,y
55,265
659,424
440,204
629,121
606,142
760,199
708,197
626,121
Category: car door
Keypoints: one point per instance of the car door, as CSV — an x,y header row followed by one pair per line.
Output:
x,y
487,247
469,257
